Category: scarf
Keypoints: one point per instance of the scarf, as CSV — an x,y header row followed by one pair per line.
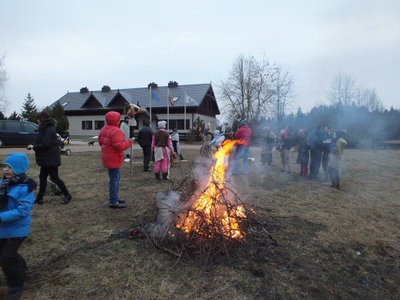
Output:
x,y
18,179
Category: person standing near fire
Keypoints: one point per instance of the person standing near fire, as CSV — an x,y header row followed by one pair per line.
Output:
x,y
176,143
162,148
243,137
113,143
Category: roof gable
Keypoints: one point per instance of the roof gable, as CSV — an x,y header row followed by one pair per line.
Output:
x,y
91,102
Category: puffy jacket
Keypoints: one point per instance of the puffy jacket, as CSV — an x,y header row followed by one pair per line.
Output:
x,y
112,142
47,147
16,217
243,135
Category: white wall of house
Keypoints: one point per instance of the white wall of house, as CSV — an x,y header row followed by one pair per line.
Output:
x,y
75,125
75,122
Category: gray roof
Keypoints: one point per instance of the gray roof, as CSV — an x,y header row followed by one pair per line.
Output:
x,y
195,94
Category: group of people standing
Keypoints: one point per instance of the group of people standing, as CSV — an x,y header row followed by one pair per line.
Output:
x,y
320,147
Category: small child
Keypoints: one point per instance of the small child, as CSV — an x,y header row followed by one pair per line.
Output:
x,y
16,200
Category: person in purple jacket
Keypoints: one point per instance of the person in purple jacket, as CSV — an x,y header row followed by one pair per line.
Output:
x,y
17,195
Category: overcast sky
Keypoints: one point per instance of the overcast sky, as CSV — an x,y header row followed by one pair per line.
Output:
x,y
55,46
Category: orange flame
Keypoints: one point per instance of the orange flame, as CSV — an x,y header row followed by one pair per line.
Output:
x,y
209,210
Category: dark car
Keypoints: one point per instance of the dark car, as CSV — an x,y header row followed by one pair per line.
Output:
x,y
15,132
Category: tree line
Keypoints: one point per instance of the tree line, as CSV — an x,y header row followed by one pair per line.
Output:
x,y
259,91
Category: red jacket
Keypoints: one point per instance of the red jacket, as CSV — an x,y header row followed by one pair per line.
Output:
x,y
112,142
243,135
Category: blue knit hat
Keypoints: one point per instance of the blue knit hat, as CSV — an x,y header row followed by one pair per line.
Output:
x,y
18,162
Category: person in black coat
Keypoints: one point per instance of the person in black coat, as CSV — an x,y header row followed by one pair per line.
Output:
x,y
315,141
47,152
144,139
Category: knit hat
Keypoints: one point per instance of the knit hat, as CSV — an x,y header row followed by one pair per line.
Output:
x,y
162,124
18,162
216,132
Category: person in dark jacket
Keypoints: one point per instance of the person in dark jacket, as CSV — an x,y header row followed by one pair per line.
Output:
x,y
144,138
327,144
315,140
16,199
303,156
47,152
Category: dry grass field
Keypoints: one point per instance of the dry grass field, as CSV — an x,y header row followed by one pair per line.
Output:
x,y
331,243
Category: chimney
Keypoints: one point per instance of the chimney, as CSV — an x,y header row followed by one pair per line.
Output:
x,y
172,84
105,89
84,90
153,85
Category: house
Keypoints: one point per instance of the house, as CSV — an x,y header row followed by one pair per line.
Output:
x,y
179,105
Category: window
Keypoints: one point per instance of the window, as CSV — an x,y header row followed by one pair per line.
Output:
x,y
87,125
179,124
98,125
13,126
29,127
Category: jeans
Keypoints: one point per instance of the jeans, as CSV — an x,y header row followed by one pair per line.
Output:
x,y
53,172
114,176
13,264
242,152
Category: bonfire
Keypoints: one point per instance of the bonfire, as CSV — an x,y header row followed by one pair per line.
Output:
x,y
203,213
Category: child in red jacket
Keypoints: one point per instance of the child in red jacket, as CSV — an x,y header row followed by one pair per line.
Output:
x,y
113,143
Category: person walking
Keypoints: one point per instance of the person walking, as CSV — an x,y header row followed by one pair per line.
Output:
x,y
16,199
113,143
243,137
126,130
162,148
47,153
144,138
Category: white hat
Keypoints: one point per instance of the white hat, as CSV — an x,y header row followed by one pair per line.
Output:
x,y
162,124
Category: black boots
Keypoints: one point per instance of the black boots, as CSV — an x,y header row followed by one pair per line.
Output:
x,y
157,176
67,198
165,176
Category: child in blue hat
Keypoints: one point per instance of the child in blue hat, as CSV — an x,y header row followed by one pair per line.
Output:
x,y
16,199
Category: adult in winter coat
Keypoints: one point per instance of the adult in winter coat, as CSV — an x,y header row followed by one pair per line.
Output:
x,y
47,152
328,137
315,140
243,137
284,145
16,200
335,159
303,156
144,138
267,144
162,148
113,144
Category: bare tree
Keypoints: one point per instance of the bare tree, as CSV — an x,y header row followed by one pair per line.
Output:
x,y
3,79
345,93
247,91
281,87
369,99
342,90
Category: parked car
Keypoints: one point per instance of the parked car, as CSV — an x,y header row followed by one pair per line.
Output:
x,y
15,132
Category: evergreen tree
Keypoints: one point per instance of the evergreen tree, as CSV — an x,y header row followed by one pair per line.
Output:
x,y
2,117
58,113
14,116
29,110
